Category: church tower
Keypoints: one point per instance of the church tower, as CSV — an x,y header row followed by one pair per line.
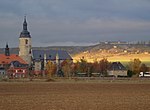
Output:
x,y
25,43
7,53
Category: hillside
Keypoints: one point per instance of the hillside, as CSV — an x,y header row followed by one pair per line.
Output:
x,y
71,49
113,52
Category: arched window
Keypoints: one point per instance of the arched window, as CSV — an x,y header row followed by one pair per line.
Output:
x,y
26,41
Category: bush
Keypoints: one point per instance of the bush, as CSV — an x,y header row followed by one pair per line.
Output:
x,y
130,73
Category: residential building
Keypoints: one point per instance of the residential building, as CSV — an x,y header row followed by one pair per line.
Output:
x,y
17,70
117,69
12,64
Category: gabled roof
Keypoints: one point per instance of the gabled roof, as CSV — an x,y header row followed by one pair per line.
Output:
x,y
116,66
8,59
50,54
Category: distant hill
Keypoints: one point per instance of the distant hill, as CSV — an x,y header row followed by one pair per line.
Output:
x,y
70,49
111,51
115,52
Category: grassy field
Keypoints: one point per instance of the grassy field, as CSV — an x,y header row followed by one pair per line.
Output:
x,y
125,63
145,58
74,96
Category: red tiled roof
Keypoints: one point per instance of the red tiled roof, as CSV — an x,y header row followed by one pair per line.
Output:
x,y
8,59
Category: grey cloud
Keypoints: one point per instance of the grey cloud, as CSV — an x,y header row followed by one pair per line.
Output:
x,y
91,30
51,21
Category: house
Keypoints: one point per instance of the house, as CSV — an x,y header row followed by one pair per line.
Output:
x,y
13,64
41,57
117,69
17,70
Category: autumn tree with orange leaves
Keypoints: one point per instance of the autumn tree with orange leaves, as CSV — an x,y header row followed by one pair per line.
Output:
x,y
51,69
66,67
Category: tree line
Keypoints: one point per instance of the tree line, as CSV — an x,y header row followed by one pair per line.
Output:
x,y
70,69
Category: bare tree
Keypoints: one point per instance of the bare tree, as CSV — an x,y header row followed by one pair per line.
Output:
x,y
103,66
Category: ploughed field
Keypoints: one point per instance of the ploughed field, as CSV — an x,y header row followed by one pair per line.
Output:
x,y
74,96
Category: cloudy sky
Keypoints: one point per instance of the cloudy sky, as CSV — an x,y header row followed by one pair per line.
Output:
x,y
75,22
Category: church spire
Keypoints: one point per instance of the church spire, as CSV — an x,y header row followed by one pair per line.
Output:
x,y
25,33
7,53
25,24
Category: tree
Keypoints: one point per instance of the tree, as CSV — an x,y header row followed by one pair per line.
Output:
x,y
143,68
129,73
51,69
66,68
74,68
134,66
82,65
103,66
96,67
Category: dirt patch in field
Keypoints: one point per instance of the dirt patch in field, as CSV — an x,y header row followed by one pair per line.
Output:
x,y
74,96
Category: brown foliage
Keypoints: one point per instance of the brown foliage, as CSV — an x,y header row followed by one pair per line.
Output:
x,y
101,66
134,66
66,68
50,68
143,68
82,65
104,64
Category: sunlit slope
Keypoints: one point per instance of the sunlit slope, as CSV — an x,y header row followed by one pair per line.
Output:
x,y
113,52
91,57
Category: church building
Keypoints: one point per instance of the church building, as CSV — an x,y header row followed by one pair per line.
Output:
x,y
38,58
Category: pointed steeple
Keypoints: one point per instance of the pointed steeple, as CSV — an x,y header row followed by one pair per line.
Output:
x,y
25,33
25,24
7,53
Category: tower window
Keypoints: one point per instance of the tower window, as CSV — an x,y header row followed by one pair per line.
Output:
x,y
30,51
26,41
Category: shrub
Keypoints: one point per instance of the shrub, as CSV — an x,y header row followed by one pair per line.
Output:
x,y
130,73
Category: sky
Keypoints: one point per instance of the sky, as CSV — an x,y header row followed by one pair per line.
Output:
x,y
74,22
